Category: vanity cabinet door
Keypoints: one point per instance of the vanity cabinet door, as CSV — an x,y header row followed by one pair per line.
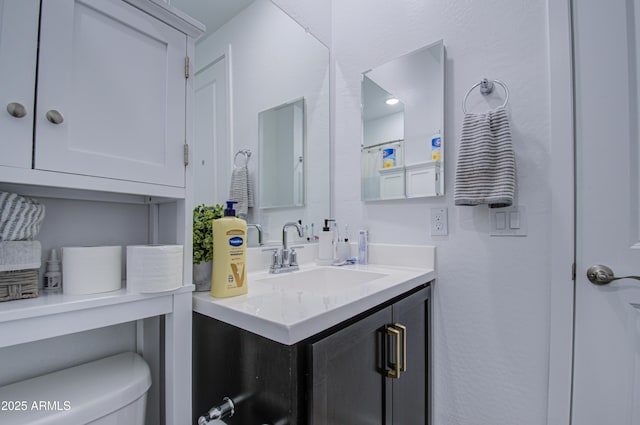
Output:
x,y
348,384
350,369
18,50
111,93
410,391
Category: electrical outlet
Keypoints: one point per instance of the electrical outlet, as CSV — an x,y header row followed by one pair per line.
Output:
x,y
439,222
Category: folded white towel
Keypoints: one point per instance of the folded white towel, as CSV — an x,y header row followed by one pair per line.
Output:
x,y
486,171
241,190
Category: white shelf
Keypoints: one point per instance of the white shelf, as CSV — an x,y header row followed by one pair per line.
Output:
x,y
29,178
56,314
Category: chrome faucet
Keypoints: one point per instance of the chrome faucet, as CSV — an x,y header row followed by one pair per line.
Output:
x,y
259,229
285,259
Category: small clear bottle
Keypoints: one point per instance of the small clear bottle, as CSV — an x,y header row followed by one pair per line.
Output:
x,y
363,247
52,275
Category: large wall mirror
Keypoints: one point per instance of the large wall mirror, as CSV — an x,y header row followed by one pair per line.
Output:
x,y
402,149
252,64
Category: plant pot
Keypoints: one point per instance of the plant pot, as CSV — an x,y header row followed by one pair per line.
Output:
x,y
202,276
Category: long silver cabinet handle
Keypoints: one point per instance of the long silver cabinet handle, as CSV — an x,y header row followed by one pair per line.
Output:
x,y
16,110
54,117
602,275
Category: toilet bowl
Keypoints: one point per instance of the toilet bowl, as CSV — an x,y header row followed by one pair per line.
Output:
x,y
109,391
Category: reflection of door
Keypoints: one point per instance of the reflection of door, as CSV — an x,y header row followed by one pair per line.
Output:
x,y
212,159
606,386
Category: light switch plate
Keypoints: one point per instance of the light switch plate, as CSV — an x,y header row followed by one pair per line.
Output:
x,y
509,221
439,222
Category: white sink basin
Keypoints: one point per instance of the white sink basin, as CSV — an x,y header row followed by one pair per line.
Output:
x,y
322,281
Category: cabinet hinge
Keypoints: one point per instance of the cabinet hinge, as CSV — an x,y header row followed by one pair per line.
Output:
x,y
186,67
186,154
573,271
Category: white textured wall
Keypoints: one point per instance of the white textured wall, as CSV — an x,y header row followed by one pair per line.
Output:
x,y
491,299
314,15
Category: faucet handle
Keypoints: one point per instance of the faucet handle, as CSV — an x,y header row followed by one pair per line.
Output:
x,y
276,257
293,256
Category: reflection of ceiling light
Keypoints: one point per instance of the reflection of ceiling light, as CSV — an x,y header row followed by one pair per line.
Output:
x,y
391,101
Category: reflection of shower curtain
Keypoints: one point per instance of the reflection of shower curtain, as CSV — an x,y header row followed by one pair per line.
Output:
x,y
371,162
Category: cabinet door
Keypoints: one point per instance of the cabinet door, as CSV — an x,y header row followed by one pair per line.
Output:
x,y
18,50
410,391
116,76
348,375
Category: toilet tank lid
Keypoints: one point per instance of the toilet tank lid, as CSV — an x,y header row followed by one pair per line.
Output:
x,y
79,394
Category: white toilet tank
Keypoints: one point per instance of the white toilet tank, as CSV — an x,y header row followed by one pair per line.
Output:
x,y
110,391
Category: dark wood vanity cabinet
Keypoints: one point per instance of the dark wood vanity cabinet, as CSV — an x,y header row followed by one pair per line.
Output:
x,y
344,375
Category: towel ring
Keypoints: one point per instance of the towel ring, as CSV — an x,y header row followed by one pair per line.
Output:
x,y
244,152
486,87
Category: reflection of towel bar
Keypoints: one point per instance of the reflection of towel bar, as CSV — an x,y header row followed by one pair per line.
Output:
x,y
486,87
377,145
246,153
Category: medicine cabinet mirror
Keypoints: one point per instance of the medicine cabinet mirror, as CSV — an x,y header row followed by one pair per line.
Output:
x,y
402,149
281,156
256,59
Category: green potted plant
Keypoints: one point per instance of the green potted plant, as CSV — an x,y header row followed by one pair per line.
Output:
x,y
203,216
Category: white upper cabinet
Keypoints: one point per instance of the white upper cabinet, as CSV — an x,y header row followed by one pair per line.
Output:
x,y
111,93
18,47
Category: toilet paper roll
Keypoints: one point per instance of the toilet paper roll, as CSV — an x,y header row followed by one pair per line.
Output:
x,y
154,268
91,269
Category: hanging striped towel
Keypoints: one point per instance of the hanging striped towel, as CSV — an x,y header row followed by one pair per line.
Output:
x,y
486,172
241,190
20,217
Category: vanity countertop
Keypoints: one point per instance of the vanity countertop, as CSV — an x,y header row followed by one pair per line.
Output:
x,y
285,309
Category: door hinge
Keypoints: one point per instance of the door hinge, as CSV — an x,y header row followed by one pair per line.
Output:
x,y
186,154
573,271
186,67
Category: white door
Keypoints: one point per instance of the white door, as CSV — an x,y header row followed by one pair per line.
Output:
x,y
606,386
116,76
212,158
18,52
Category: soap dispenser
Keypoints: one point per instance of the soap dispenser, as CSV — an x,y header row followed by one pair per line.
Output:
x,y
325,248
229,277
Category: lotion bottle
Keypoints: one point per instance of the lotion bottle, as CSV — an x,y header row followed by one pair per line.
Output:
x,y
229,276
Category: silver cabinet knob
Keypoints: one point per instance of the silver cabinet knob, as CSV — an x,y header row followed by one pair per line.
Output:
x,y
54,116
602,275
16,110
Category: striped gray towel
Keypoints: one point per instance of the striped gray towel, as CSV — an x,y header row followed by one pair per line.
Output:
x,y
486,172
20,217
241,190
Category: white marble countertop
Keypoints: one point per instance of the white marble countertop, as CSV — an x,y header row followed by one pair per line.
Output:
x,y
289,316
